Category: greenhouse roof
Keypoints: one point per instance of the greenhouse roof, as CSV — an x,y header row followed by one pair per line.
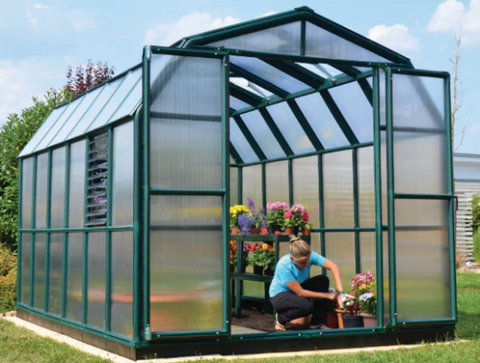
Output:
x,y
282,67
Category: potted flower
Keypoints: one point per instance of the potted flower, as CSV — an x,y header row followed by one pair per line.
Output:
x,y
364,288
276,211
263,256
348,315
234,255
259,219
235,212
294,218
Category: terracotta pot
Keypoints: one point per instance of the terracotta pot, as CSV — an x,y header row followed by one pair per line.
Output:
x,y
331,319
291,230
306,232
234,230
369,320
264,231
254,230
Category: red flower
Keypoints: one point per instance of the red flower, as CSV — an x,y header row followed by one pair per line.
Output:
x,y
254,246
305,216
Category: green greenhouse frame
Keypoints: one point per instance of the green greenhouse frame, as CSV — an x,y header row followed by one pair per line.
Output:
x,y
125,191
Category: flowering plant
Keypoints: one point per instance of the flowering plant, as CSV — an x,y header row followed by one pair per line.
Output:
x,y
235,212
234,253
364,288
296,216
262,255
275,216
260,221
350,304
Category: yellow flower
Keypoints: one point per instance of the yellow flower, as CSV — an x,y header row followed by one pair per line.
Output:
x,y
265,246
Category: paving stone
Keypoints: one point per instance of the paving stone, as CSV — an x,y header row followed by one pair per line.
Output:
x,y
11,314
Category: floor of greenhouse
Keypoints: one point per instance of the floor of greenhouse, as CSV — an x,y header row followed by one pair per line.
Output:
x,y
119,359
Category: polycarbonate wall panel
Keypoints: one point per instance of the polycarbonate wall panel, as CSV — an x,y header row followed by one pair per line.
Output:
x,y
122,283
384,173
366,187
422,259
269,73
128,83
122,192
178,210
186,269
39,271
46,125
74,277
420,143
234,185
386,279
77,184
25,268
57,203
200,156
55,274
41,192
322,121
241,144
188,96
368,259
262,135
316,246
71,107
87,100
382,90
290,128
104,93
305,187
356,109
276,179
27,190
283,39
97,260
190,87
252,184
321,43
340,248
420,163
338,189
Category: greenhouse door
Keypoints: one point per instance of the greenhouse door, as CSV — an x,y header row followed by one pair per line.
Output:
x,y
420,198
185,209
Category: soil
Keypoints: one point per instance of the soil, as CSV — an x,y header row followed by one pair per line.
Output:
x,y
254,319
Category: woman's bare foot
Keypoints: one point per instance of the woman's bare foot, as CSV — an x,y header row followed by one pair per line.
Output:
x,y
278,326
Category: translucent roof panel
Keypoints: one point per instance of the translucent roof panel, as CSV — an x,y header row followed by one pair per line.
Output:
x,y
263,135
356,109
237,104
323,70
269,73
42,131
322,43
241,144
322,121
290,128
251,87
283,39
79,115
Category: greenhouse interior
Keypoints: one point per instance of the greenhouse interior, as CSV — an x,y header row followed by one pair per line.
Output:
x,y
125,192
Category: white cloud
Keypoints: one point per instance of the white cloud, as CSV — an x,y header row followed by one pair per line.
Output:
x,y
81,20
194,23
32,14
451,16
396,37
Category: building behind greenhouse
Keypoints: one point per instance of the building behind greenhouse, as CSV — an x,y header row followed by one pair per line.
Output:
x,y
125,191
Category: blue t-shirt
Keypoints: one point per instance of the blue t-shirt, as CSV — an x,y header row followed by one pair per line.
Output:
x,y
286,271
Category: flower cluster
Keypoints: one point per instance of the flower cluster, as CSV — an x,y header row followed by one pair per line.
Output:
x,y
364,289
259,219
276,212
262,255
234,253
296,216
235,212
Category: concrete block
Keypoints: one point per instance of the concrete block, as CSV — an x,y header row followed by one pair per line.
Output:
x,y
11,314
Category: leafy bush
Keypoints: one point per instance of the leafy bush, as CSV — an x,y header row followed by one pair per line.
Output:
x,y
476,246
476,212
8,279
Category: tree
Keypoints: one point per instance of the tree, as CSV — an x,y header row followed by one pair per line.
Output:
x,y
87,77
457,94
16,133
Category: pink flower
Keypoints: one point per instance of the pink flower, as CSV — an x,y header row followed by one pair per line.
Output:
x,y
305,216
288,214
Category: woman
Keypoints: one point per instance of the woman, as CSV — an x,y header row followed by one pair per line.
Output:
x,y
291,288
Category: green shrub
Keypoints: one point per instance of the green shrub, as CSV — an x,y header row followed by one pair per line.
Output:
x,y
476,212
8,279
476,246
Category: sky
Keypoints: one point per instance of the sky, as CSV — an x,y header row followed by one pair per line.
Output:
x,y
40,39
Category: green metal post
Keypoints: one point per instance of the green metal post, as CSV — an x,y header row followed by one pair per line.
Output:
x,y
303,31
110,206
47,237
377,152
391,200
322,207
34,236
358,260
290,182
264,187
20,241
85,237
65,234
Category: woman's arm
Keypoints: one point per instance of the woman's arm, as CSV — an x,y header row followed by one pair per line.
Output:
x,y
329,265
300,291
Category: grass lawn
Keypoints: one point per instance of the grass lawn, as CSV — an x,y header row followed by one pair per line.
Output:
x,y
20,345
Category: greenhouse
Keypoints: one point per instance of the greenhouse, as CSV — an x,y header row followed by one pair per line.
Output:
x,y
125,191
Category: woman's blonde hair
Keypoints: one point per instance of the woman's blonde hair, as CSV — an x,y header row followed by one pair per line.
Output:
x,y
299,248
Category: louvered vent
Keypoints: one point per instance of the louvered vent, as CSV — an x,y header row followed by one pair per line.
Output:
x,y
97,181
